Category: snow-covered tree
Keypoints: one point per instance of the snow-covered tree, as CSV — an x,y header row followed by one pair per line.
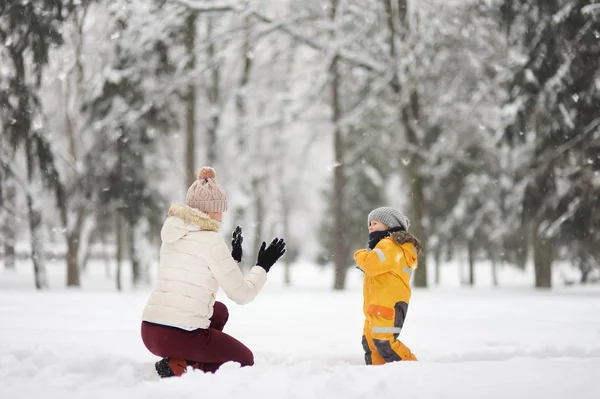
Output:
x,y
62,92
128,111
28,30
462,53
554,121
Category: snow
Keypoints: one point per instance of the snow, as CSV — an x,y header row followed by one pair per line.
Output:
x,y
590,8
510,342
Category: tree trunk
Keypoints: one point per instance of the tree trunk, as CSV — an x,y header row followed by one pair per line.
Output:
x,y
119,243
190,112
136,269
410,115
542,259
286,199
106,256
37,246
494,260
339,251
287,276
86,240
23,126
259,214
438,261
213,96
73,241
72,259
283,184
72,94
285,219
35,228
471,254
8,224
417,228
69,129
286,186
72,237
242,166
586,268
87,255
521,243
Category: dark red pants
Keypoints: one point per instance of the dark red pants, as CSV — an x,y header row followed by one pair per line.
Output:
x,y
209,347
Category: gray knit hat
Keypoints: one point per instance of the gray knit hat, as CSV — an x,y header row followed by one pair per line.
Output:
x,y
390,216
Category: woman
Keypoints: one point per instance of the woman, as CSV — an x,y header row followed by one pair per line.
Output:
x,y
182,322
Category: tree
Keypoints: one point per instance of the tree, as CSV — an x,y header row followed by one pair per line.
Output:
x,y
554,104
7,204
405,86
190,96
77,202
30,29
362,138
188,16
465,170
340,250
128,115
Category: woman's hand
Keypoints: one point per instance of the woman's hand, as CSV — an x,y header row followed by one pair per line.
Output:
x,y
267,257
236,244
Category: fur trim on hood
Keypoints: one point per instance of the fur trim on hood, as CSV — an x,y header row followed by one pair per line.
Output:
x,y
403,237
193,216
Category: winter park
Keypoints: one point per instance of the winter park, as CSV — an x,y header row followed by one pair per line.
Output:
x,y
300,199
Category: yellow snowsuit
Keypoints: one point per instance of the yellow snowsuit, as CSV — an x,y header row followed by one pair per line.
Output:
x,y
386,290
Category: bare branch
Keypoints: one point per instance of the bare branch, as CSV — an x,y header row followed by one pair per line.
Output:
x,y
241,7
345,55
212,6
591,8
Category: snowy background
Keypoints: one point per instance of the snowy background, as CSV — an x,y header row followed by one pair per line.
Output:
x,y
479,119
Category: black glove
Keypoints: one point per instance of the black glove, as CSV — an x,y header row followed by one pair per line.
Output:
x,y
267,257
236,244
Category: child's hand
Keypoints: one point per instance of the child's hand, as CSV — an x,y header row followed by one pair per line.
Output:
x,y
359,252
236,244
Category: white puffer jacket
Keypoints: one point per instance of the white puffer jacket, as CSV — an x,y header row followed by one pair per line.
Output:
x,y
194,263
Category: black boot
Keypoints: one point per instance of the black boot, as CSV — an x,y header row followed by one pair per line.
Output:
x,y
163,369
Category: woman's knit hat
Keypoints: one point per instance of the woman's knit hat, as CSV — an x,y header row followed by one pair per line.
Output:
x,y
205,194
390,216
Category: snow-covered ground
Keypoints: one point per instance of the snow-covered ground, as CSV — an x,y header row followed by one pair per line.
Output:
x,y
510,342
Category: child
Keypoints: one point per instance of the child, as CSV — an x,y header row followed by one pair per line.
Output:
x,y
388,267
182,322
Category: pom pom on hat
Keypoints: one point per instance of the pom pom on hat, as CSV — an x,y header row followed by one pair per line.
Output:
x,y
206,173
205,194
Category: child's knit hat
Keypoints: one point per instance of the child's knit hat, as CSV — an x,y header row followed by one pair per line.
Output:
x,y
390,216
205,194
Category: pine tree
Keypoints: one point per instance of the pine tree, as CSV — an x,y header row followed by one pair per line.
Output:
x,y
7,209
27,32
464,55
129,111
554,103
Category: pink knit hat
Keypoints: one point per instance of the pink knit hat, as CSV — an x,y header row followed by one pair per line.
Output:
x,y
206,194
